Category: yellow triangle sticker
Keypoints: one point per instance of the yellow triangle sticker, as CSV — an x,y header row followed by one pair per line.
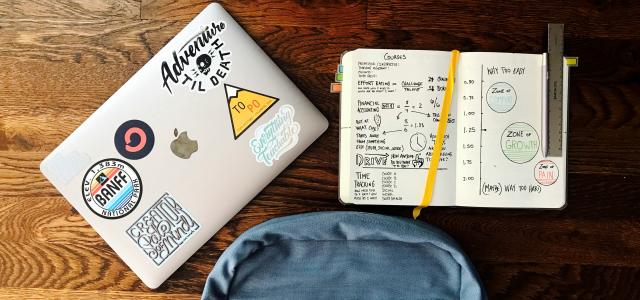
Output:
x,y
246,107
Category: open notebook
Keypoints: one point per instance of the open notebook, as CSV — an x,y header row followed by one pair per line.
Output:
x,y
492,152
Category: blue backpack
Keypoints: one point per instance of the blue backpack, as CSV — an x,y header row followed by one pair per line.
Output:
x,y
343,255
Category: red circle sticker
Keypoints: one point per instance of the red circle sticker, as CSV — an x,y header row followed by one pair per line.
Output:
x,y
134,139
546,172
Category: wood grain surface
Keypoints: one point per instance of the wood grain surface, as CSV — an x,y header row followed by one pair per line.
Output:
x,y
61,59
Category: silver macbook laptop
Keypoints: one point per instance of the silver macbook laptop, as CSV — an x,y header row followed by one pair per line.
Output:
x,y
181,147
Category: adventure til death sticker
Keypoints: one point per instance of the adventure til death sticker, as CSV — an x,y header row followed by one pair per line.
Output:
x,y
162,229
202,63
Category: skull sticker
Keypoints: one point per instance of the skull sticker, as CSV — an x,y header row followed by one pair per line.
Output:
x,y
201,64
204,63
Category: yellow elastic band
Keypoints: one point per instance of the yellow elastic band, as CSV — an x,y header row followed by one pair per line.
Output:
x,y
442,128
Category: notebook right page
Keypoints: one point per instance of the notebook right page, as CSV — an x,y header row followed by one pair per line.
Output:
x,y
500,161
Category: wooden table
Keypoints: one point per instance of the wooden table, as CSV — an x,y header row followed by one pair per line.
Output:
x,y
60,60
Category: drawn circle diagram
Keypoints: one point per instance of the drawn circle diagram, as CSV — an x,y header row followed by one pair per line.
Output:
x,y
418,142
546,172
501,97
520,142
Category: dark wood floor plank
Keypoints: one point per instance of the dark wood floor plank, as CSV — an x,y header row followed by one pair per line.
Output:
x,y
67,41
315,13
70,9
582,18
49,293
312,48
558,281
544,240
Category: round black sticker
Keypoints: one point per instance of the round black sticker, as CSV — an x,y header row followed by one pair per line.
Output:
x,y
134,139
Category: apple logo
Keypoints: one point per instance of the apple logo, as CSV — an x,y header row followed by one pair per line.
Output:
x,y
183,146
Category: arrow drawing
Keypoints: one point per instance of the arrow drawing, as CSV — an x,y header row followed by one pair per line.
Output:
x,y
385,132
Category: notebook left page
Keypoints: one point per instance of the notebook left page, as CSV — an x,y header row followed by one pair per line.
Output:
x,y
390,107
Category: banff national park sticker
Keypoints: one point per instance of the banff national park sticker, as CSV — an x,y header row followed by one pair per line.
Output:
x,y
111,188
162,229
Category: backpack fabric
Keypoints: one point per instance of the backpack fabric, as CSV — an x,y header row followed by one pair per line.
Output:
x,y
343,255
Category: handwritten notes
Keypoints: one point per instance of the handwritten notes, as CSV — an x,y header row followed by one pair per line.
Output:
x,y
394,115
491,156
500,158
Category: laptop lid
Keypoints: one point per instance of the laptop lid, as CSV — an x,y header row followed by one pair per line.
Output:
x,y
181,147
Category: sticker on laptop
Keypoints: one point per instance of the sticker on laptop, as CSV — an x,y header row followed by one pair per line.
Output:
x,y
246,107
272,139
111,188
201,63
134,139
162,229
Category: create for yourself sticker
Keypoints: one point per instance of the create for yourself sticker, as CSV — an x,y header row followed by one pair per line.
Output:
x,y
111,188
162,229
272,139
